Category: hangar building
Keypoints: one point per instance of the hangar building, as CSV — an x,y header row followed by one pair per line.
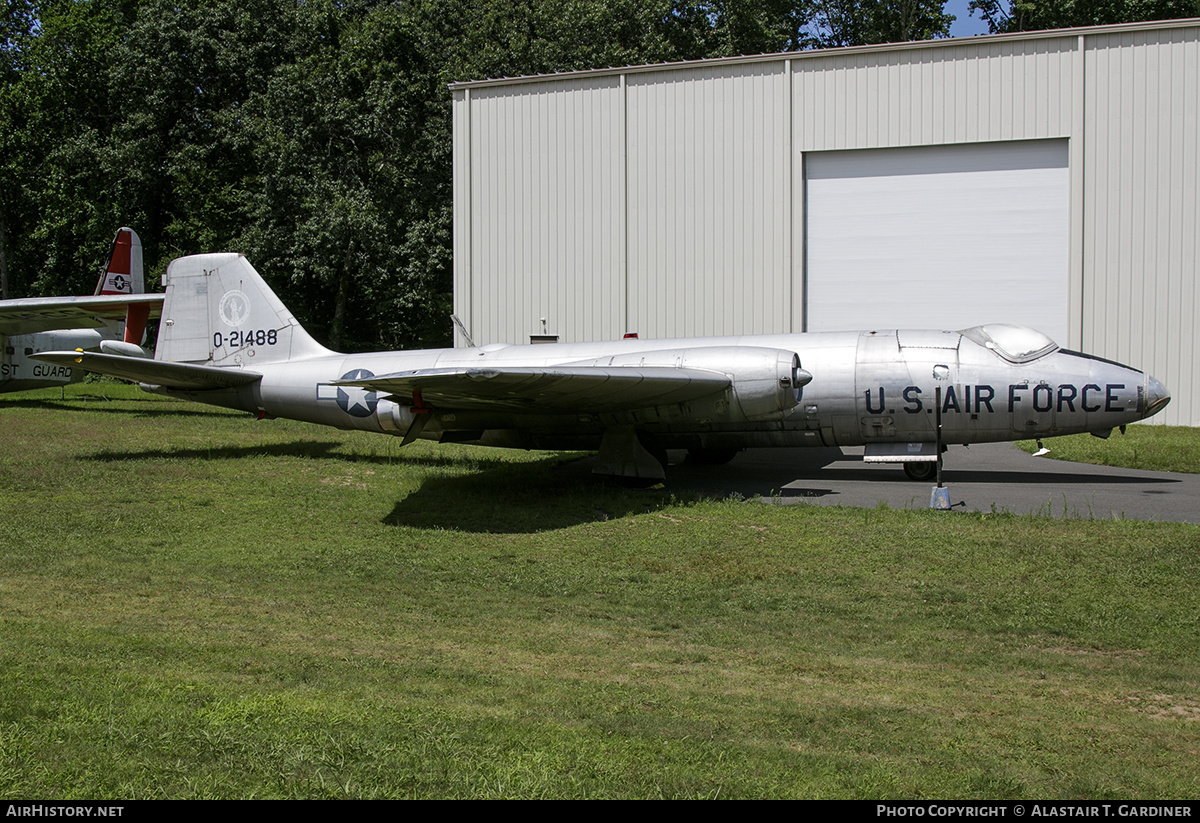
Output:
x,y
1050,179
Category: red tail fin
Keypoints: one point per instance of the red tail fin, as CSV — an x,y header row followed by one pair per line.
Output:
x,y
123,274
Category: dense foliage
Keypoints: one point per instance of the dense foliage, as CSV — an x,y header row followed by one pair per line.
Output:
x,y
312,135
1003,16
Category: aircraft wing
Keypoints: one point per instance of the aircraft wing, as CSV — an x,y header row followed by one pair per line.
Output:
x,y
37,314
554,389
185,376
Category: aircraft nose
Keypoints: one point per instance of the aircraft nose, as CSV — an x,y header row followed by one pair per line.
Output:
x,y
1154,397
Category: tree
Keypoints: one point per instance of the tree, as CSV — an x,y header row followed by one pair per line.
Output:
x,y
16,37
350,198
55,113
1035,15
180,157
312,135
864,22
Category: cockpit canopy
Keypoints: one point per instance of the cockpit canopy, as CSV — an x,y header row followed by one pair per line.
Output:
x,y
1016,344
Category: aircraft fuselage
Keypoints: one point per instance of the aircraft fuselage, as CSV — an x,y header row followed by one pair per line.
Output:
x,y
20,372
868,387
227,339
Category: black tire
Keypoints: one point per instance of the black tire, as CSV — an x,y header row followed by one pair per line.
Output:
x,y
634,483
711,457
921,471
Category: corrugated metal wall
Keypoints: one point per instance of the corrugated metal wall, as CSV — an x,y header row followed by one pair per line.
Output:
x,y
974,92
669,200
708,185
1141,213
547,195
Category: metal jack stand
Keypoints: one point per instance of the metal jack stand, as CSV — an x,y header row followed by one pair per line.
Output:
x,y
939,498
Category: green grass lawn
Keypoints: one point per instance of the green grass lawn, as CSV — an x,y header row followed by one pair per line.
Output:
x,y
1154,448
197,604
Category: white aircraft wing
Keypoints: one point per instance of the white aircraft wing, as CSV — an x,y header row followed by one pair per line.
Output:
x,y
186,376
552,389
35,314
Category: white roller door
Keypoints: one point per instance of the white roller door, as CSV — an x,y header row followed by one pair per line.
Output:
x,y
938,237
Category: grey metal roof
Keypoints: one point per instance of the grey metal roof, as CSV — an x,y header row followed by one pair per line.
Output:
x,y
949,42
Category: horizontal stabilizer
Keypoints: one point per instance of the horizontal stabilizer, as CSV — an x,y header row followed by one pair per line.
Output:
x,y
550,389
36,314
153,372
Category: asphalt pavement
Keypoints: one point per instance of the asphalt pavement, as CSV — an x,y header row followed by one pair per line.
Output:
x,y
985,477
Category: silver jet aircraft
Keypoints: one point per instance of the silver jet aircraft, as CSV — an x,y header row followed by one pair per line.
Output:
x,y
112,320
226,339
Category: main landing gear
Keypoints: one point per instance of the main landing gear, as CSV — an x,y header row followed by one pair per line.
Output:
x,y
711,457
632,460
923,471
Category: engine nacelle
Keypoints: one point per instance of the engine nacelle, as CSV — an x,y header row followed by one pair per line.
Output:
x,y
123,348
766,383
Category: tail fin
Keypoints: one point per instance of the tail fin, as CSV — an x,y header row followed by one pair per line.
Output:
x,y
123,274
221,312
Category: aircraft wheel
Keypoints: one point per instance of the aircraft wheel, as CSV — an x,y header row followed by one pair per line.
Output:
x,y
711,457
635,483
920,471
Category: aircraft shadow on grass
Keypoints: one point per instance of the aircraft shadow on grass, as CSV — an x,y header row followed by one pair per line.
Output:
x,y
299,448
534,497
102,404
499,496
562,492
